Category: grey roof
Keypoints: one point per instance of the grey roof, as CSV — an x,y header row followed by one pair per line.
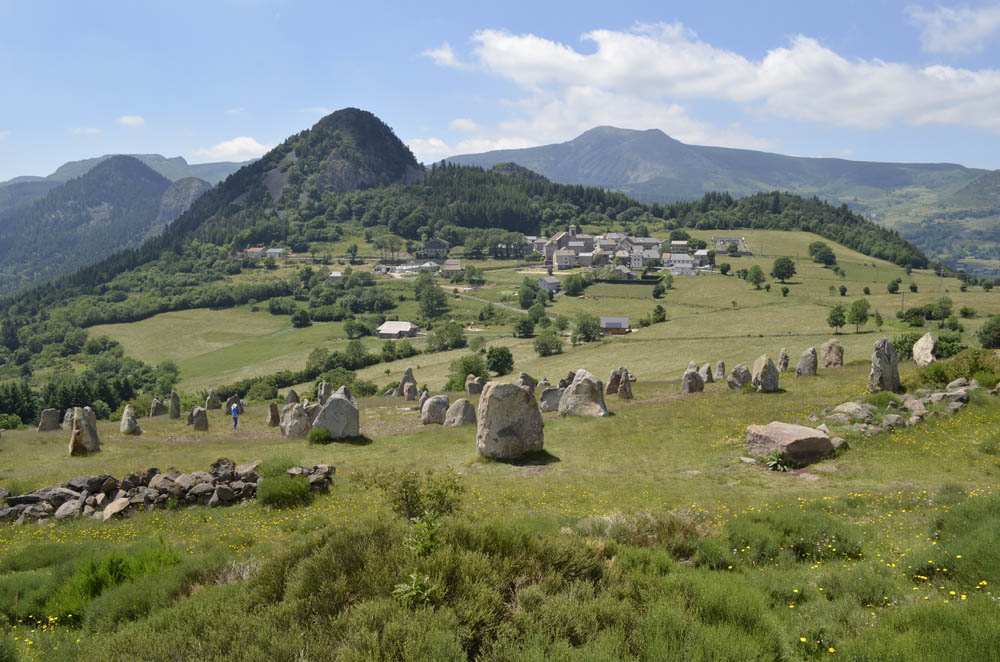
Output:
x,y
396,327
614,322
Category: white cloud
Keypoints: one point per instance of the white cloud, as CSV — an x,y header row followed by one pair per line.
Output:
x,y
463,124
955,29
85,131
242,148
429,150
235,111
133,121
444,56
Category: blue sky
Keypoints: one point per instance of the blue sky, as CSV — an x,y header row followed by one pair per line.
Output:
x,y
874,80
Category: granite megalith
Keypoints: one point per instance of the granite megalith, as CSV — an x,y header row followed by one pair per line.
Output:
x,y
509,423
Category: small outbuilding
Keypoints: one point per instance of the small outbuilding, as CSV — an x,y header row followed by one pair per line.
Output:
x,y
617,326
396,329
549,284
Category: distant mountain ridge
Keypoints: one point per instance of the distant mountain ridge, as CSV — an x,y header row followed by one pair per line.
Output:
x,y
118,203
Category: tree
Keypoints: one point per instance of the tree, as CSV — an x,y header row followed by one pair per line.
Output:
x,y
783,268
433,301
659,314
784,291
460,368
301,319
527,293
548,343
989,334
524,328
843,290
987,285
756,276
658,290
825,256
573,285
837,318
858,314
500,360
352,250
913,287
878,320
354,329
536,312
447,336
724,268
587,328
562,322
893,286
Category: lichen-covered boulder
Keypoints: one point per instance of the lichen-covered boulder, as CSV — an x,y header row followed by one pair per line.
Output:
x,y
434,410
692,381
129,424
473,385
340,417
509,423
720,371
625,390
323,392
291,397
549,400
175,405
808,363
461,412
295,421
212,401
583,397
157,408
527,382
783,360
832,354
798,444
199,419
705,372
49,420
83,437
764,375
739,377
923,350
273,415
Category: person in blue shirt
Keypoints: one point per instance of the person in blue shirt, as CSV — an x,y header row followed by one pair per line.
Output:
x,y
236,414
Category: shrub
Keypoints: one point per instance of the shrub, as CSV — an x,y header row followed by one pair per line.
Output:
x,y
548,343
262,390
967,312
301,319
903,344
284,491
807,536
989,334
524,328
319,436
275,466
460,368
966,364
447,336
500,360
9,421
948,345
101,409
411,493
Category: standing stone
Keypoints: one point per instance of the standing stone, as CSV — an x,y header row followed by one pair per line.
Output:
x,y
407,379
764,375
473,385
832,354
129,424
340,417
527,382
344,392
720,371
323,392
295,422
615,379
885,368
434,410
49,420
273,417
190,418
175,405
583,397
509,423
782,360
291,397
410,391
705,372
461,412
234,400
199,419
550,399
567,380
807,363
67,422
423,398
739,377
625,390
543,384
213,401
923,350
157,408
692,382
798,444
84,437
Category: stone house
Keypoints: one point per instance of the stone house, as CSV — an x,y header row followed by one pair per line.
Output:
x,y
450,268
564,259
549,284
701,257
436,247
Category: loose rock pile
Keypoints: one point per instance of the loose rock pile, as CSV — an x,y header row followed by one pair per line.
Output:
x,y
103,497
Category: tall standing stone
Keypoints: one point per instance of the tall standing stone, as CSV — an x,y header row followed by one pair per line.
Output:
x,y
49,420
625,390
832,354
884,375
84,437
213,401
583,397
705,372
782,360
434,410
273,416
410,391
199,419
764,375
923,350
508,422
527,382
423,398
720,371
157,408
807,363
323,392
408,378
295,422
129,424
692,382
175,405
549,400
291,397
461,412
615,379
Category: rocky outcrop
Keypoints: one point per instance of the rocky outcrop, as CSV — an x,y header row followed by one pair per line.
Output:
x,y
199,419
807,363
434,410
103,497
49,420
583,397
175,405
799,445
923,350
764,375
129,424
295,422
461,412
884,374
739,377
509,423
831,354
340,417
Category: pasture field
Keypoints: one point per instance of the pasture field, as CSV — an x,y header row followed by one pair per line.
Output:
x,y
886,573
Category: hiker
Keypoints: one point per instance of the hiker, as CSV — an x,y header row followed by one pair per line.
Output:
x,y
236,413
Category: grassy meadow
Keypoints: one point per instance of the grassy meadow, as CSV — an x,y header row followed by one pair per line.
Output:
x,y
643,535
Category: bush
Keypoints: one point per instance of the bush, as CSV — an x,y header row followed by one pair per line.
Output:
x,y
548,343
411,493
9,421
301,319
966,363
460,368
903,344
524,328
948,345
319,436
989,334
500,360
447,336
284,491
262,390
587,328
276,466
